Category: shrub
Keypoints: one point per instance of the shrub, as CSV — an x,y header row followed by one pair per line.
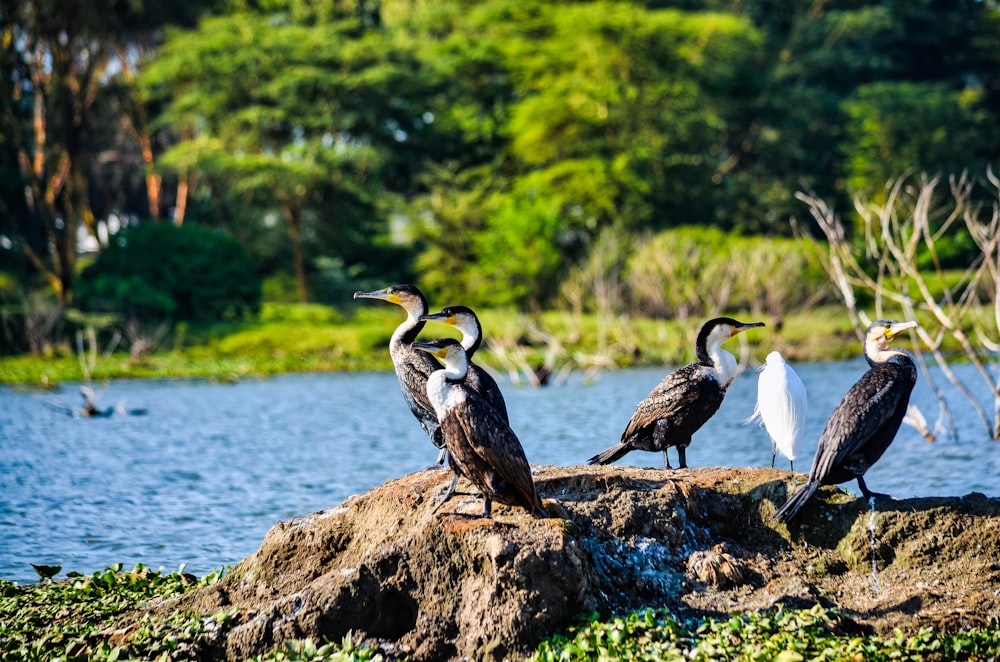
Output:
x,y
157,271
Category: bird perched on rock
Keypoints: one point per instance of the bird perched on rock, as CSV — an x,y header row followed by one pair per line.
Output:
x,y
781,407
684,400
866,420
412,366
481,445
479,380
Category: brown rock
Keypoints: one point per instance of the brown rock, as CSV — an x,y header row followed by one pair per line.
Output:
x,y
450,585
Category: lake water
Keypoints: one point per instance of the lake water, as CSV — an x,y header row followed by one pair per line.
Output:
x,y
211,467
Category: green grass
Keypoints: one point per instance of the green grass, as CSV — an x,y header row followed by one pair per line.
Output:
x,y
84,618
314,338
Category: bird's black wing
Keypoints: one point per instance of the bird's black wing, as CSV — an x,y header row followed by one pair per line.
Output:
x,y
413,367
495,444
679,391
482,382
870,408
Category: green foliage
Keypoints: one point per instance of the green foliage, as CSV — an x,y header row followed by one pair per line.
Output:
x,y
157,271
703,271
69,619
783,635
307,651
897,127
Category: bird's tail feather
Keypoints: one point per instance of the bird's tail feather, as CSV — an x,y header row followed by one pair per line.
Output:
x,y
608,456
799,499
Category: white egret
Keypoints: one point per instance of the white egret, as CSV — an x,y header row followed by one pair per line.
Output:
x,y
781,407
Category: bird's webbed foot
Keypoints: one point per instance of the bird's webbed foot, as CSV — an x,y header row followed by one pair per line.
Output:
x,y
868,494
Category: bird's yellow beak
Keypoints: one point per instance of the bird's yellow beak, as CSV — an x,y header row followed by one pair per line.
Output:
x,y
897,328
437,317
382,295
744,327
439,352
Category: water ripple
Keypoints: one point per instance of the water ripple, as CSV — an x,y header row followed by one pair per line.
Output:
x,y
201,477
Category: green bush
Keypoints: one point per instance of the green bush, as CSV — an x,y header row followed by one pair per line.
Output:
x,y
157,271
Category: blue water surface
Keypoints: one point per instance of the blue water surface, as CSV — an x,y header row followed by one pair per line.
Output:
x,y
209,468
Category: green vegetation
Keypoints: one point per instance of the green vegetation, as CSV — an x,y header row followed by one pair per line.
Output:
x,y
357,143
310,337
155,272
70,619
780,635
83,617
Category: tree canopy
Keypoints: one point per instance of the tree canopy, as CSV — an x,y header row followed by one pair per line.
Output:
x,y
481,149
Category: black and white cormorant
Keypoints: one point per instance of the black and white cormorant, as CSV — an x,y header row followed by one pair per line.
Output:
x,y
413,367
481,445
479,380
684,400
866,420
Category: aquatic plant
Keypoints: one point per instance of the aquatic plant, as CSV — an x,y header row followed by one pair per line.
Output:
x,y
74,618
779,634
88,618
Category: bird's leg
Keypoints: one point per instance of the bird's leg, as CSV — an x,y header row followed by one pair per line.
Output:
x,y
774,453
867,492
487,507
682,456
448,493
791,465
660,441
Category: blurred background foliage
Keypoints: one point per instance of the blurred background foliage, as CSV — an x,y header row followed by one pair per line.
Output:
x,y
635,158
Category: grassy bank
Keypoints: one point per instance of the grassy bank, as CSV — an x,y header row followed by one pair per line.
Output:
x,y
94,618
311,338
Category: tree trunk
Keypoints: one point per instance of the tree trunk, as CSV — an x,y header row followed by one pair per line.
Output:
x,y
294,217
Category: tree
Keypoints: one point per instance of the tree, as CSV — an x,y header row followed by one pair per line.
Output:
x,y
289,117
156,272
910,223
57,61
614,114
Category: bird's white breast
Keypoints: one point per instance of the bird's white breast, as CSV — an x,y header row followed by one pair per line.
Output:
x,y
444,395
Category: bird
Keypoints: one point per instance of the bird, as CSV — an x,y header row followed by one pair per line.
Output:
x,y
781,407
481,445
865,422
479,380
680,404
412,366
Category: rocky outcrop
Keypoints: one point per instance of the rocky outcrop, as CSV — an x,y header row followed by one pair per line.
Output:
x,y
451,585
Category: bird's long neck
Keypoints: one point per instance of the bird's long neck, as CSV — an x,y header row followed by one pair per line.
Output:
x,y
876,354
455,370
472,337
722,362
411,327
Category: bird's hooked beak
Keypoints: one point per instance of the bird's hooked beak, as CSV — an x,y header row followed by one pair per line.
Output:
x,y
433,350
383,295
744,327
897,328
438,317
